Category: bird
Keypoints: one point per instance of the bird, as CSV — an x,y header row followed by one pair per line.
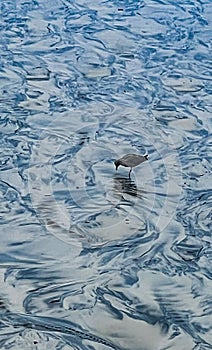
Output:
x,y
130,160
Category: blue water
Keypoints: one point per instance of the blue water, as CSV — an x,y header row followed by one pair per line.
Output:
x,y
90,259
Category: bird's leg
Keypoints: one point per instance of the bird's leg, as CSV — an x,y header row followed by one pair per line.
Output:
x,y
130,172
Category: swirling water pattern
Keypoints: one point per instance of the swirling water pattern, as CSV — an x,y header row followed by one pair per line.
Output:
x,y
91,259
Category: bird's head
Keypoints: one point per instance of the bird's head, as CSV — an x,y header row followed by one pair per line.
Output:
x,y
117,163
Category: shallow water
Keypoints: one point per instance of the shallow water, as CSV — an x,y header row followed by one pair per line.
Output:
x,y
91,259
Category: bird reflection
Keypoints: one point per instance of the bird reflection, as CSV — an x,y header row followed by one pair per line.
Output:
x,y
124,185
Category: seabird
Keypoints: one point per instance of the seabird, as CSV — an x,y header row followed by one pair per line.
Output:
x,y
130,160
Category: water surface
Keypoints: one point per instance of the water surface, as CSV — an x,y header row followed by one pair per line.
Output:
x,y
91,259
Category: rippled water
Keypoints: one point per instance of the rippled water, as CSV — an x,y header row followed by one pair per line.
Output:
x,y
91,259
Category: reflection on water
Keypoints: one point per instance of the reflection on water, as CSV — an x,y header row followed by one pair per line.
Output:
x,y
90,259
124,185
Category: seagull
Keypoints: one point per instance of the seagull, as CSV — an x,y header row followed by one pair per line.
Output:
x,y
130,160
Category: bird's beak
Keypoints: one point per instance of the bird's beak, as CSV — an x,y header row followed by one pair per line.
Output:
x,y
116,165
